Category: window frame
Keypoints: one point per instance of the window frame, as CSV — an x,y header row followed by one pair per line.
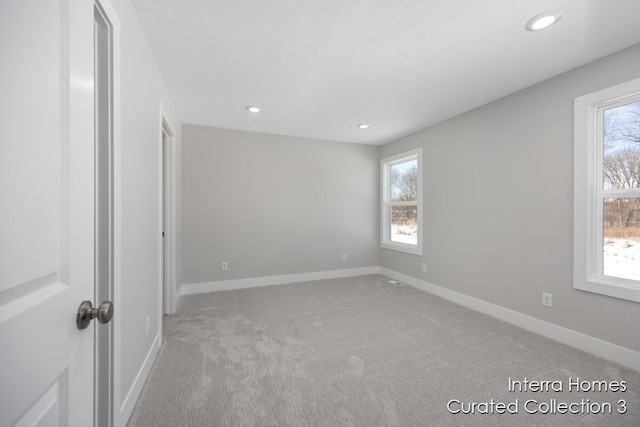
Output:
x,y
386,204
589,193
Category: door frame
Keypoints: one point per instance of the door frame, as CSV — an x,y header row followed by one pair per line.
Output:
x,y
104,196
167,209
110,369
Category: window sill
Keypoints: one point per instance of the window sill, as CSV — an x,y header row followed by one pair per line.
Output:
x,y
612,287
402,247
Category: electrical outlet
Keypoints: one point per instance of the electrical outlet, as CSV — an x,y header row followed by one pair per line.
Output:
x,y
424,267
225,266
344,257
148,324
546,300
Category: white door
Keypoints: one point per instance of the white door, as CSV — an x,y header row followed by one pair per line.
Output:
x,y
46,212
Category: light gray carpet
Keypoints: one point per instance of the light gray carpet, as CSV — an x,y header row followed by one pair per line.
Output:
x,y
360,352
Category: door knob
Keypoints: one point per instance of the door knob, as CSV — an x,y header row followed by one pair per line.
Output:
x,y
86,313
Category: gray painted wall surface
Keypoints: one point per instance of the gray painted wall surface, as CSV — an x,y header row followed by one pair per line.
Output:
x,y
498,204
274,205
138,204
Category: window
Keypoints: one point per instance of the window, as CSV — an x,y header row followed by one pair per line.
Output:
x,y
402,202
607,192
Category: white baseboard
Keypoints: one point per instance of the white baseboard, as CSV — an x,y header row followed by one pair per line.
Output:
x,y
254,282
129,402
603,349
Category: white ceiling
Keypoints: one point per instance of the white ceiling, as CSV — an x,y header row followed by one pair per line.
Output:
x,y
317,68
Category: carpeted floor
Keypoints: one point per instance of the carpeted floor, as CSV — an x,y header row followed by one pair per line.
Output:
x,y
363,352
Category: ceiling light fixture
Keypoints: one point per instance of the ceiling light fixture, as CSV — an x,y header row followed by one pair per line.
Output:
x,y
543,20
253,109
364,126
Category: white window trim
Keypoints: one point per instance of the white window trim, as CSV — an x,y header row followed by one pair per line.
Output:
x,y
385,166
587,232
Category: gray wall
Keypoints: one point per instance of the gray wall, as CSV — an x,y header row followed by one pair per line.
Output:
x,y
498,204
138,199
274,205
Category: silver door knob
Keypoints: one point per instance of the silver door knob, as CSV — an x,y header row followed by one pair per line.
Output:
x,y
86,313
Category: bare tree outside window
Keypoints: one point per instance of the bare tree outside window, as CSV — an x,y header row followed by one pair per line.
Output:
x,y
621,171
404,198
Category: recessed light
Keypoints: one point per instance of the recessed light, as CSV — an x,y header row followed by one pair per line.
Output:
x,y
364,126
543,20
253,109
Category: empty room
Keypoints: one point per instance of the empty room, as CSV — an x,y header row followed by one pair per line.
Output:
x,y
329,213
